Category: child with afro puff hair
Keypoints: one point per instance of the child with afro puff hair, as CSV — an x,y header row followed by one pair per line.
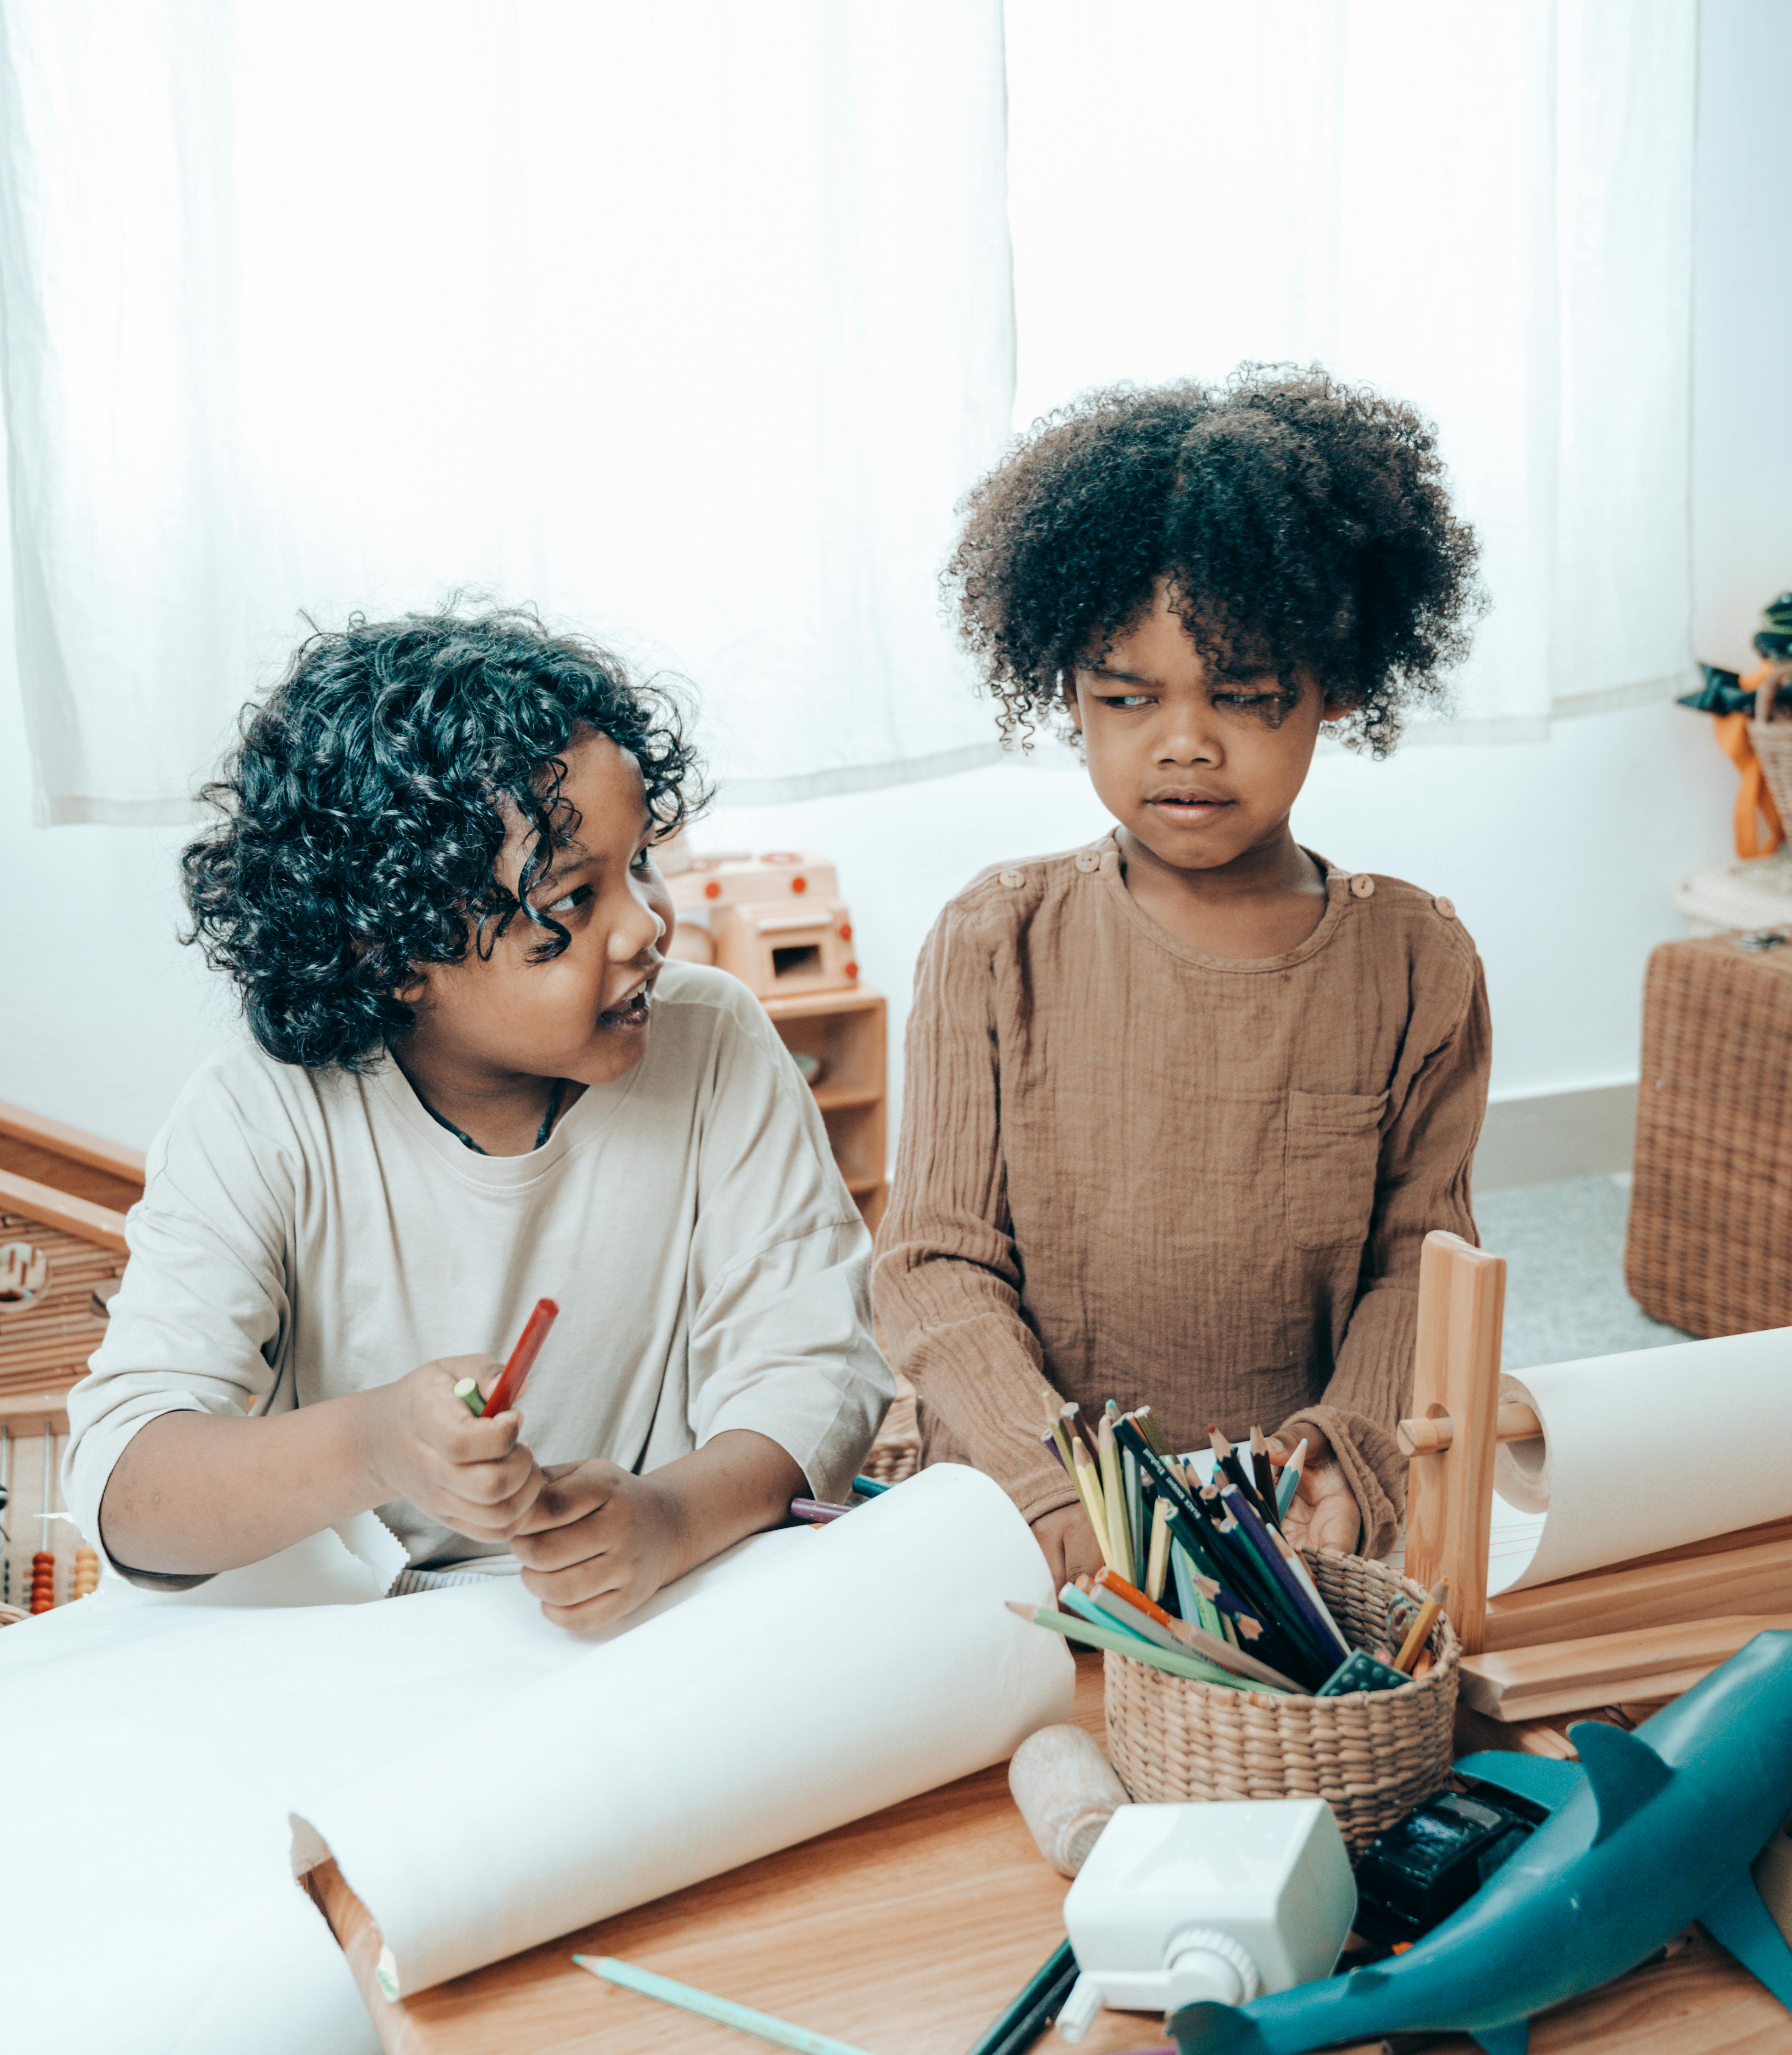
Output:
x,y
475,1080
1181,1106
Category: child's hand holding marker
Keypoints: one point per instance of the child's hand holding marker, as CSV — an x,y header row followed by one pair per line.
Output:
x,y
476,1476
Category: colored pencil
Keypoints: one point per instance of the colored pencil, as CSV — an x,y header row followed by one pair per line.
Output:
x,y
869,1487
1041,1998
1326,1636
1422,1624
1297,1563
1120,1612
1226,1604
743,2018
1189,1601
1110,1592
1230,1463
1052,1449
817,1511
1157,1562
1137,1532
1263,1475
1072,1599
1089,1486
509,1389
1114,1498
1194,1533
1166,1474
1290,1482
1055,1427
1148,1426
1239,1565
1125,1643
1078,1429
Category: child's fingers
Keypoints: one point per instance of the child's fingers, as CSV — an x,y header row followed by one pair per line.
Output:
x,y
593,1613
464,1517
560,1546
485,1484
569,1492
470,1441
515,1509
564,1602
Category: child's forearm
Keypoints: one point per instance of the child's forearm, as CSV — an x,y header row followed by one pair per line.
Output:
x,y
738,1484
195,1492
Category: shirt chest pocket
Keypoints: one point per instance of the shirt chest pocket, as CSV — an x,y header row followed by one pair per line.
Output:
x,y
1332,1150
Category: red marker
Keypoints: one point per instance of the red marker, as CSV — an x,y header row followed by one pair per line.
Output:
x,y
509,1389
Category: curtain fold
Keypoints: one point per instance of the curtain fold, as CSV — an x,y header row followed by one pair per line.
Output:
x,y
691,323
1484,209
688,323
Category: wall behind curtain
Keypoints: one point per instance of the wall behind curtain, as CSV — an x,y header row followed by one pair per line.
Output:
x,y
690,321
1485,210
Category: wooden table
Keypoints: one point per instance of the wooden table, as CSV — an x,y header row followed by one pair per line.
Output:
x,y
907,1933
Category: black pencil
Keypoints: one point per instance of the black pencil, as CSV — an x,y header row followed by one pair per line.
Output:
x,y
1041,2000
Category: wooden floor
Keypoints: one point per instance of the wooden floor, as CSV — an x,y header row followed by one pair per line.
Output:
x,y
907,1933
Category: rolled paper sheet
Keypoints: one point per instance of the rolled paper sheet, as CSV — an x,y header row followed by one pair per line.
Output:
x,y
865,1663
1067,1792
1648,1450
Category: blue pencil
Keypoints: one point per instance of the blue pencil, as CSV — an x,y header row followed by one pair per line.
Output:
x,y
1257,1536
868,1487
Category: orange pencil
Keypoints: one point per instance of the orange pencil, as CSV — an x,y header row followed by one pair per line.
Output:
x,y
1121,1589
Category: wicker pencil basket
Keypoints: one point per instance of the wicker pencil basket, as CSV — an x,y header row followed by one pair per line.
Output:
x,y
1372,1756
1772,740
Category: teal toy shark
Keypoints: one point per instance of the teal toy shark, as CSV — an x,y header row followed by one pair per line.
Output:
x,y
1651,1830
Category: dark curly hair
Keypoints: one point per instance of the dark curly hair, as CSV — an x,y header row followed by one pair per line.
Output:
x,y
358,814
1298,521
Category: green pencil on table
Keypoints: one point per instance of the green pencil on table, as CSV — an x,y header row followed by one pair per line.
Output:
x,y
724,2010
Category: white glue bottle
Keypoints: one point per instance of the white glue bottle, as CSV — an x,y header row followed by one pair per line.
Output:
x,y
1223,1901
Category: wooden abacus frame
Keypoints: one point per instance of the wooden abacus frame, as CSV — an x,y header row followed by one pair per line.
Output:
x,y
1639,1632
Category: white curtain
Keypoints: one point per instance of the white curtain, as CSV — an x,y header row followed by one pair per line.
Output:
x,y
687,321
1485,209
690,321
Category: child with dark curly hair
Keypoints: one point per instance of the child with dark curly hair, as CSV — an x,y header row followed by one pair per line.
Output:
x,y
1181,1106
476,1081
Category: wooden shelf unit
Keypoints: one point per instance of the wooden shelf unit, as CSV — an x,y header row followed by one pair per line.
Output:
x,y
847,1032
66,1192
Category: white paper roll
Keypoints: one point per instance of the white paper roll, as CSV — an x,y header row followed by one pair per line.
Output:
x,y
874,1660
1649,1450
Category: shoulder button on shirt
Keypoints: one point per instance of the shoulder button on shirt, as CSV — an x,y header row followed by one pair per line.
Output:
x,y
1086,860
1445,908
1011,878
1361,886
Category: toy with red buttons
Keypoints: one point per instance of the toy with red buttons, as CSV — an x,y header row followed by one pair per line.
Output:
x,y
776,921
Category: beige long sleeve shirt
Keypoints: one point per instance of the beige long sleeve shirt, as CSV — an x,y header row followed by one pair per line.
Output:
x,y
1131,1169
305,1234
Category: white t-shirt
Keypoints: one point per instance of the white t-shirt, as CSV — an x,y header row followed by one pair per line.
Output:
x,y
305,1234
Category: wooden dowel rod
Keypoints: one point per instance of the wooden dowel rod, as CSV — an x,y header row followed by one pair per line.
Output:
x,y
1515,1421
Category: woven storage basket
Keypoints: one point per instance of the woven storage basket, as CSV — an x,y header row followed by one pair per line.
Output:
x,y
896,1453
1772,741
1372,1756
1709,1244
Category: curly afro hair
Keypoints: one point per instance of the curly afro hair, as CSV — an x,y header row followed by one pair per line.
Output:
x,y
359,815
1298,521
